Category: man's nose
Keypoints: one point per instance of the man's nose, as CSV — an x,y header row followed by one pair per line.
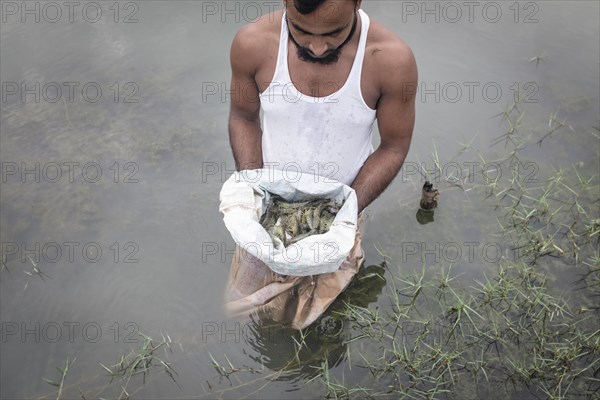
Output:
x,y
318,48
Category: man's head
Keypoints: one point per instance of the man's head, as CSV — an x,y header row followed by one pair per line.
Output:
x,y
321,28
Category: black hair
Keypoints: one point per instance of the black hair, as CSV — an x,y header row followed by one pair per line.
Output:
x,y
308,6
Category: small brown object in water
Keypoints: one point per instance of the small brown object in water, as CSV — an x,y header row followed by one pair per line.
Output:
x,y
429,197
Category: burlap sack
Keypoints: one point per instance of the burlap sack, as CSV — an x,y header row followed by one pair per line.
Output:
x,y
299,300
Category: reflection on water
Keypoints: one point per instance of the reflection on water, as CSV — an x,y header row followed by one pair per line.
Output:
x,y
301,354
424,216
174,64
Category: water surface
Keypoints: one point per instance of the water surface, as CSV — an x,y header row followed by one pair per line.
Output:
x,y
148,158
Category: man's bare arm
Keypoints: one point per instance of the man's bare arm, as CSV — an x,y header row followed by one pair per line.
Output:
x,y
396,119
245,134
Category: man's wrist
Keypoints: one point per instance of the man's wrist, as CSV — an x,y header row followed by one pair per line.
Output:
x,y
250,165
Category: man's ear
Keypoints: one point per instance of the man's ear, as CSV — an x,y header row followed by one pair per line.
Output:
x,y
358,3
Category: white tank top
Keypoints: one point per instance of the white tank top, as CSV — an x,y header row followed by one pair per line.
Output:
x,y
329,136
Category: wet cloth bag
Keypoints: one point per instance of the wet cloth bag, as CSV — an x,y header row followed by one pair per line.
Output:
x,y
245,197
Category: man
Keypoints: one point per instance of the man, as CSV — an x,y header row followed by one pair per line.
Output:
x,y
322,72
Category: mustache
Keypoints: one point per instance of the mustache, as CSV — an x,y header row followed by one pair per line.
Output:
x,y
330,57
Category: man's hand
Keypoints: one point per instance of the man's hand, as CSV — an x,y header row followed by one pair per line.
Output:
x,y
395,119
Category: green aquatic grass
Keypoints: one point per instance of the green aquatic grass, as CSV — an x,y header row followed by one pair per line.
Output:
x,y
34,271
141,361
507,332
63,375
512,334
510,331
444,334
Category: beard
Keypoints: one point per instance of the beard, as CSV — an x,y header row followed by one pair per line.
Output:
x,y
330,56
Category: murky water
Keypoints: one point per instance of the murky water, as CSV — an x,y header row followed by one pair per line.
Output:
x,y
114,148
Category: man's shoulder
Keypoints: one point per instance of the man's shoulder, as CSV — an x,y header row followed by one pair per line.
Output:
x,y
256,38
388,56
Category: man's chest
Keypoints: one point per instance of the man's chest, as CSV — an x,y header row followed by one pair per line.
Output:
x,y
317,80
